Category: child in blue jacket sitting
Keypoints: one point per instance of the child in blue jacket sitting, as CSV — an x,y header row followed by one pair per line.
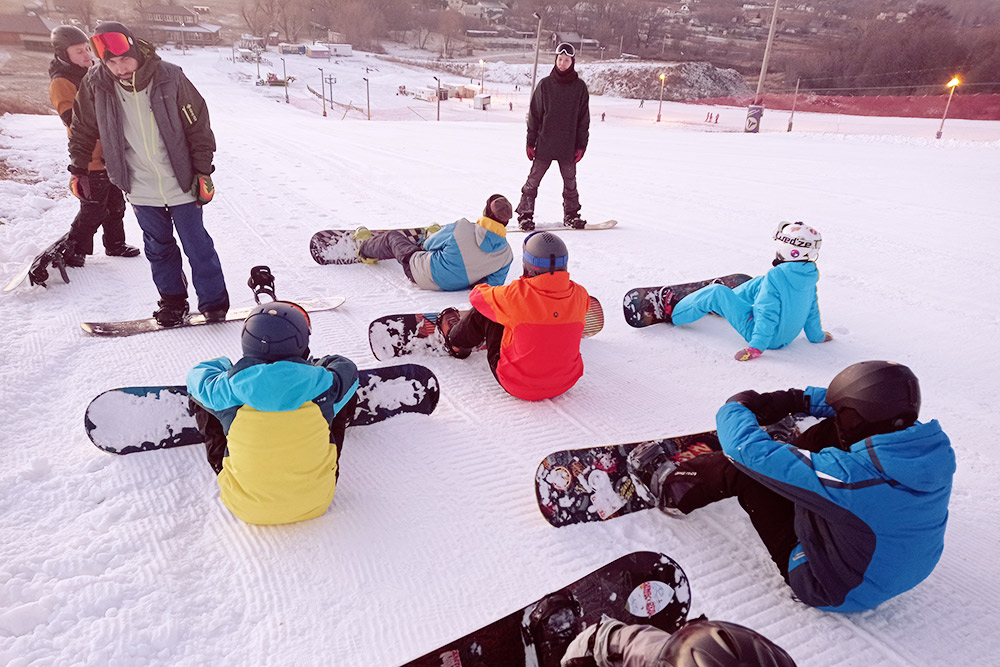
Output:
x,y
770,310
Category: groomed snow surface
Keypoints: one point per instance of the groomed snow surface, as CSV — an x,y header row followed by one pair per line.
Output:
x,y
434,530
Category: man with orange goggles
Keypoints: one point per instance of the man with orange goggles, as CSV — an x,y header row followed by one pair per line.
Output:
x,y
158,150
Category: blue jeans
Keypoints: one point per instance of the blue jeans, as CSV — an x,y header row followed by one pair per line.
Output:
x,y
716,299
158,224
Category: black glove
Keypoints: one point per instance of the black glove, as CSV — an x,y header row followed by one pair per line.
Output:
x,y
772,406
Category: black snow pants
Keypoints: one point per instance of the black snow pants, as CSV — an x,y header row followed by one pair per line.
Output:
x,y
571,198
472,330
105,208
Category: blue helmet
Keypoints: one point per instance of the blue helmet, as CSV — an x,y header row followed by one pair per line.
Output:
x,y
276,330
544,252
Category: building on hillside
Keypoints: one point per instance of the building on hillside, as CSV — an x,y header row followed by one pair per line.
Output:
x,y
318,51
166,24
288,49
31,32
578,42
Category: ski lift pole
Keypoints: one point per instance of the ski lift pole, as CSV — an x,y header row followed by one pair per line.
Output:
x,y
794,101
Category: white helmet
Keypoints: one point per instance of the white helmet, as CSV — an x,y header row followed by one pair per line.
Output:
x,y
797,242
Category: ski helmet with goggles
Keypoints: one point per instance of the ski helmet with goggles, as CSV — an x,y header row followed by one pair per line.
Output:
x,y
65,36
797,242
112,39
878,392
276,330
720,644
544,252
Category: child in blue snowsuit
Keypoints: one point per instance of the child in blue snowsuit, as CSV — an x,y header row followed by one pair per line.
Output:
x,y
770,310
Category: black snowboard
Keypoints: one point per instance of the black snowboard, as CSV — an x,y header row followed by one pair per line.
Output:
x,y
644,305
414,333
138,419
36,271
337,246
593,484
642,587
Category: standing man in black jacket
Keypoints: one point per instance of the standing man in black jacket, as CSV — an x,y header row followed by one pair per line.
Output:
x,y
558,129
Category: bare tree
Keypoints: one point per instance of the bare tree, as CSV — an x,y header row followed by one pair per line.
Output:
x,y
451,25
258,15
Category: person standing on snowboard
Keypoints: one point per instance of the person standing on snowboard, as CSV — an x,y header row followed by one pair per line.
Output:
x,y
274,422
532,327
853,513
770,310
558,129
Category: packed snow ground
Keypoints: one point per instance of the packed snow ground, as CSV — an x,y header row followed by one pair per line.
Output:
x,y
434,530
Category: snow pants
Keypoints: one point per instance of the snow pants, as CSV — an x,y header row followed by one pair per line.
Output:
x,y
720,299
158,224
475,328
105,208
391,245
571,198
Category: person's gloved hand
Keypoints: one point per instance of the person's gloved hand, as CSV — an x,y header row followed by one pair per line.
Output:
x,y
827,336
79,183
747,354
773,406
203,189
530,150
577,155
580,652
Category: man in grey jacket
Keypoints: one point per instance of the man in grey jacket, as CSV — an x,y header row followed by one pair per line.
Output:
x,y
158,146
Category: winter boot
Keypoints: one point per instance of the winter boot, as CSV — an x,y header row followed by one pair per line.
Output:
x,y
122,250
215,314
552,625
171,311
360,235
447,319
649,464
574,220
526,222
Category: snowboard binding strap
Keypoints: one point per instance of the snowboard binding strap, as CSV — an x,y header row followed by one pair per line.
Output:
x,y
261,282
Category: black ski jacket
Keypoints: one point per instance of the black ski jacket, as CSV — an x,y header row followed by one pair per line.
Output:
x,y
559,118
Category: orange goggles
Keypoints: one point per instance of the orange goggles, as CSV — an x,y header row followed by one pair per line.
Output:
x,y
110,44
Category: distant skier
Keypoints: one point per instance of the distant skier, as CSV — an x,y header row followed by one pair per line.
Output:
x,y
102,204
532,327
770,310
854,513
454,257
274,422
558,129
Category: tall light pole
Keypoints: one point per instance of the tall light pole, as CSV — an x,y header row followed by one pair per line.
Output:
x,y
482,74
330,79
538,43
438,96
284,74
756,110
368,95
953,84
663,78
322,89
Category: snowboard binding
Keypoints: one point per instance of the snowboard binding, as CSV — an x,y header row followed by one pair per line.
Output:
x,y
648,465
552,625
261,282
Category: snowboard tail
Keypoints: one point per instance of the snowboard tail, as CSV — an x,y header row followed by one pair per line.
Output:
x,y
337,246
138,419
642,587
417,333
644,306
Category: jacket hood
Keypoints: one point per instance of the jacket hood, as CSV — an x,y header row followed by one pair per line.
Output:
x,y
60,68
920,458
798,276
144,74
280,386
491,236
555,285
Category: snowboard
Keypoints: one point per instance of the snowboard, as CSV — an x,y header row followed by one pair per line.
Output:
x,y
337,246
132,327
139,419
642,587
643,305
560,227
36,270
415,333
593,484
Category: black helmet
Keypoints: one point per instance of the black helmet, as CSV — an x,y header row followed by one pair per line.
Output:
x,y
877,392
705,643
66,36
544,252
276,330
498,208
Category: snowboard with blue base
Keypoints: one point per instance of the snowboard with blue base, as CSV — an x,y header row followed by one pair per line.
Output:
x,y
139,419
644,306
642,587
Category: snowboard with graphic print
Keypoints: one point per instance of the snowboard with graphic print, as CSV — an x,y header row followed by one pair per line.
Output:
x,y
337,246
644,306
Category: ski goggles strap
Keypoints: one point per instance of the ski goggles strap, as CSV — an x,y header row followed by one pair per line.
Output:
x,y
110,44
566,49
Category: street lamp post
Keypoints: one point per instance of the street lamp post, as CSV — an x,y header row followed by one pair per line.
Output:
x,y
322,89
482,74
663,78
369,97
538,43
438,96
756,110
953,84
284,74
330,79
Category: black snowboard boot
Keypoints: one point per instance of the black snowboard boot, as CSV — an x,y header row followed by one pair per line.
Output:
x,y
122,250
554,622
526,222
171,311
574,220
447,319
649,464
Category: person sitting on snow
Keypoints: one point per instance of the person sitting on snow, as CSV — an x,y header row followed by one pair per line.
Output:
x,y
770,310
274,422
453,257
854,512
532,327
